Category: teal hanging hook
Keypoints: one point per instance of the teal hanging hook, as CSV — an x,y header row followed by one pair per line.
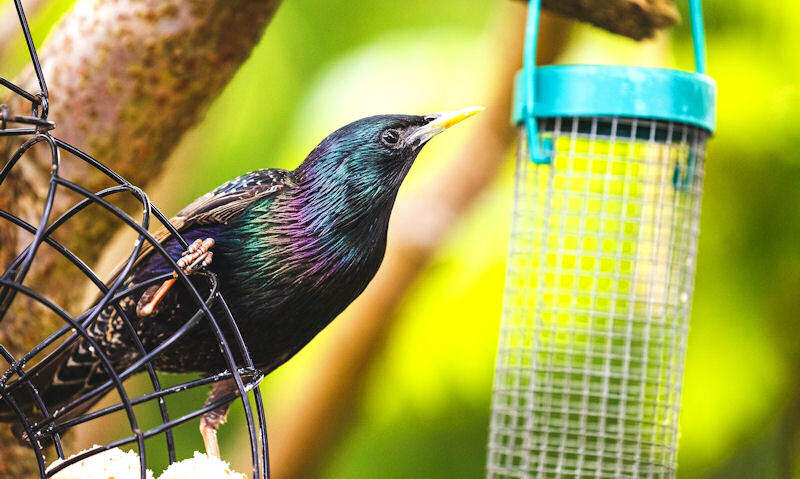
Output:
x,y
592,90
698,35
540,153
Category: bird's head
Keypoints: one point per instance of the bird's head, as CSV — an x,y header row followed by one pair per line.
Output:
x,y
369,158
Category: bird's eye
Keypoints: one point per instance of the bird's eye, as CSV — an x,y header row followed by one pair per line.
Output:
x,y
390,137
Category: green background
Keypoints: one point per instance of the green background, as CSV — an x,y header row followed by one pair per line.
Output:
x,y
425,409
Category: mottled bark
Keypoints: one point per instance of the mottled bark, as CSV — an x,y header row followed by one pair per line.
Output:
x,y
127,78
637,19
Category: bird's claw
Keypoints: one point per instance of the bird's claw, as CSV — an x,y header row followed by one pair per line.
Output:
x,y
196,256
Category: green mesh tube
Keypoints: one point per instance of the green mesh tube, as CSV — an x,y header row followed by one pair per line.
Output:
x,y
597,301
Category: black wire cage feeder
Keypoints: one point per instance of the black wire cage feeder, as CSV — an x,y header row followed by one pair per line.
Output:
x,y
40,236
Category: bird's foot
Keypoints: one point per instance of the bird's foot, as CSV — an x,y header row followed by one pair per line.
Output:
x,y
198,255
209,424
212,419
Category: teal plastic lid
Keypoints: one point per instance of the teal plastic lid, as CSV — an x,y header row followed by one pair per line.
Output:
x,y
625,91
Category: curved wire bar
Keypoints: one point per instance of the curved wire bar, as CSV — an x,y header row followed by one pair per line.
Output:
x,y
120,311
51,424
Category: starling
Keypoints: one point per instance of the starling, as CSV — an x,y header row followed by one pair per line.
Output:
x,y
291,250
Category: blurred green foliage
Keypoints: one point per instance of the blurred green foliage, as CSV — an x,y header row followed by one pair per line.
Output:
x,y
425,410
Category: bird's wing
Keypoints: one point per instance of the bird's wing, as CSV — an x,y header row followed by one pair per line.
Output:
x,y
221,204
230,199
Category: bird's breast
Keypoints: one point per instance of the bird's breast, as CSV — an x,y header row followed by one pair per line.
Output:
x,y
284,291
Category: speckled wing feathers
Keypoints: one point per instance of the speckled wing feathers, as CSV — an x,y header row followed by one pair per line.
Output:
x,y
221,204
231,198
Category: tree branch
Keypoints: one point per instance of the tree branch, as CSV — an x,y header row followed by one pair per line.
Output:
x,y
303,432
301,435
638,19
126,78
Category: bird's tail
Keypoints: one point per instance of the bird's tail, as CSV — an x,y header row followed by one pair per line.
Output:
x,y
61,377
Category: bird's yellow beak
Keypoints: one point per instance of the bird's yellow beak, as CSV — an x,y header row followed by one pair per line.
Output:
x,y
442,121
447,119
